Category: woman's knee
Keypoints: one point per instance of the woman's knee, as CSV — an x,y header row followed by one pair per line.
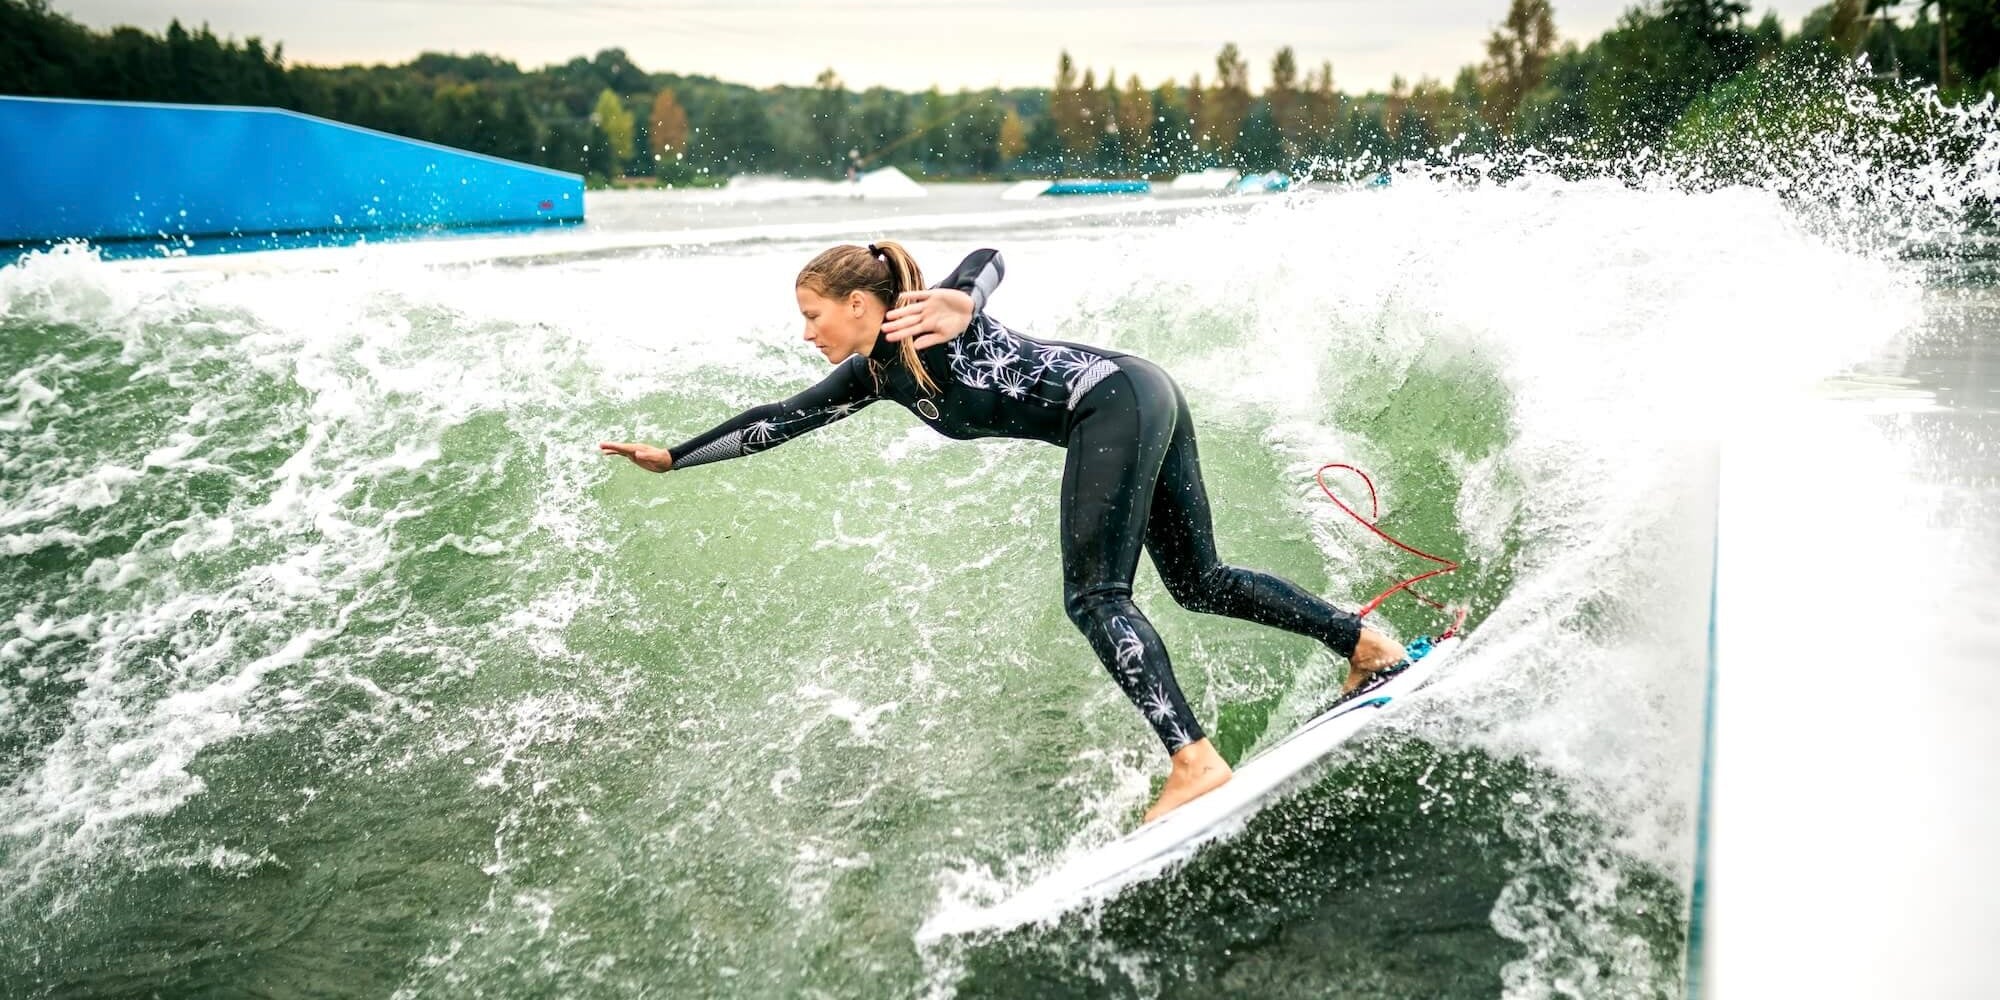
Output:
x,y
1088,607
1203,589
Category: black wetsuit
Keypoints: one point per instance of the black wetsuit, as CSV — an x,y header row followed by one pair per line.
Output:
x,y
1131,477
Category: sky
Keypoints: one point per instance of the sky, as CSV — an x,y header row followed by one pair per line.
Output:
x,y
902,44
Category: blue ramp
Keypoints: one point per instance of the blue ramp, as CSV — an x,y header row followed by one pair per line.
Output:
x,y
115,170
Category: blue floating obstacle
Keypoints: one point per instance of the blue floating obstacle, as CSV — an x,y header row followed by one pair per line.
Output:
x,y
1094,186
116,170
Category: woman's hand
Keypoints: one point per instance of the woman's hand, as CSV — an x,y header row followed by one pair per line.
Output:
x,y
933,316
644,456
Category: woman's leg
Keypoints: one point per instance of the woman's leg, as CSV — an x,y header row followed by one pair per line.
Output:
x,y
1117,440
1180,535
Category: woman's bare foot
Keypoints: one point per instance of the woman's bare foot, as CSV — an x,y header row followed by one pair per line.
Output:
x,y
1198,769
1374,652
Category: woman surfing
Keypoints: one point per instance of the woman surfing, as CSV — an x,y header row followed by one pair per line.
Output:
x,y
1131,476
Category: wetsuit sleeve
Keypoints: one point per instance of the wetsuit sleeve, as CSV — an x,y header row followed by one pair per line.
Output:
x,y
977,275
849,388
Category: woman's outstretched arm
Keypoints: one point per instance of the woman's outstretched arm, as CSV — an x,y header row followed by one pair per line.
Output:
x,y
849,388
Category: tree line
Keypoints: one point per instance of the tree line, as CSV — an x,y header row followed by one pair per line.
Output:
x,y
605,117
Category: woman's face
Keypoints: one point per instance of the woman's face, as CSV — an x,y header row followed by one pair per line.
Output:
x,y
840,328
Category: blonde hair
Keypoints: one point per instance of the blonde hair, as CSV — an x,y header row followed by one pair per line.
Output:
x,y
842,270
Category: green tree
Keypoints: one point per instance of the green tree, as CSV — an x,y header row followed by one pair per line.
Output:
x,y
1199,142
735,136
884,119
966,135
1468,112
934,115
1110,145
1258,145
1089,131
614,123
1135,121
1517,60
1320,113
1228,104
1286,104
1013,136
1967,38
1365,133
830,131
1067,109
458,116
1626,90
667,137
1045,150
1168,146
515,133
1847,25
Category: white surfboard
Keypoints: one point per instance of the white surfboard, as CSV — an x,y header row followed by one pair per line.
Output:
x,y
1144,853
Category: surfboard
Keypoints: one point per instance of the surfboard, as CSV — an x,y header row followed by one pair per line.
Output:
x,y
1101,873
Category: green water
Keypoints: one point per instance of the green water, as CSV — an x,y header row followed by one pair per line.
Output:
x,y
379,681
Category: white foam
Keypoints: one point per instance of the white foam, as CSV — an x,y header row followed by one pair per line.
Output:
x,y
1630,330
1623,327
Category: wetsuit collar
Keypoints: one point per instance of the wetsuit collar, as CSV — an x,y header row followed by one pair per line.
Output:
x,y
885,350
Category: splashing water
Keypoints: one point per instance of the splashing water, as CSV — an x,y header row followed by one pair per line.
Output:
x,y
333,636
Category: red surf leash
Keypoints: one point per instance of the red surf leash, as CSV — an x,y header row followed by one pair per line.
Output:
x,y
1375,511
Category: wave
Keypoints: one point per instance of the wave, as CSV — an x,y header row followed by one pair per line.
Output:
x,y
319,576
